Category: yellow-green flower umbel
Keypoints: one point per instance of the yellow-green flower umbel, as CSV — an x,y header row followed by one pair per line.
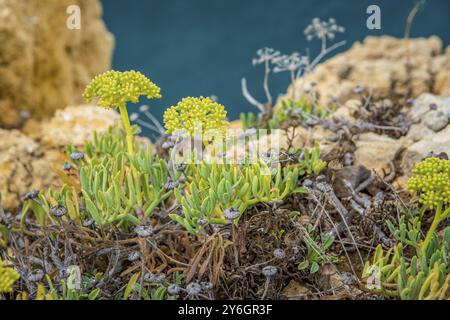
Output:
x,y
8,277
192,114
431,182
114,89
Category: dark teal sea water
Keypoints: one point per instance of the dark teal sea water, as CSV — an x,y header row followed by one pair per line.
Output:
x,y
205,47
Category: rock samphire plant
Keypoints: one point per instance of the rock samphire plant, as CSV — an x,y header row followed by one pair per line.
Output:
x,y
106,186
214,191
425,274
113,184
114,89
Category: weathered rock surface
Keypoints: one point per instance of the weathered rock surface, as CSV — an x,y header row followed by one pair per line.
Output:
x,y
28,161
436,143
431,111
376,152
44,65
380,65
442,80
75,124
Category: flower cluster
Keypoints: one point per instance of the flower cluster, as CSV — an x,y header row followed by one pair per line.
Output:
x,y
195,115
322,29
289,62
432,181
265,55
7,278
115,88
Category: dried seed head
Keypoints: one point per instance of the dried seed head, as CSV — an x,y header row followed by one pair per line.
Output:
x,y
308,183
67,166
206,285
311,122
348,159
35,276
202,222
231,214
358,89
134,116
133,256
279,254
58,211
180,167
269,271
143,231
324,187
143,108
31,195
160,278
88,223
75,156
193,289
321,179
149,277
166,145
173,289
170,185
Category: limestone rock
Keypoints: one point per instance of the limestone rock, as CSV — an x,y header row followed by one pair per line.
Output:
x,y
437,143
442,81
375,152
28,164
75,124
17,175
355,175
431,111
44,65
379,65
295,291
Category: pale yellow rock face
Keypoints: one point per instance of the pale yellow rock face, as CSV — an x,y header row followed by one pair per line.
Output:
x,y
379,64
442,84
75,124
45,66
28,160
376,152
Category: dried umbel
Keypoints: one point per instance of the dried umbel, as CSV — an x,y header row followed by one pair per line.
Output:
x,y
58,211
193,289
173,289
279,254
76,156
143,231
231,214
193,115
8,277
269,271
323,29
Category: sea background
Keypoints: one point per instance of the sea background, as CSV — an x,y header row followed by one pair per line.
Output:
x,y
205,47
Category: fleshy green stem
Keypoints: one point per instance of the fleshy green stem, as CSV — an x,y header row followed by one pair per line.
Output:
x,y
433,227
127,127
